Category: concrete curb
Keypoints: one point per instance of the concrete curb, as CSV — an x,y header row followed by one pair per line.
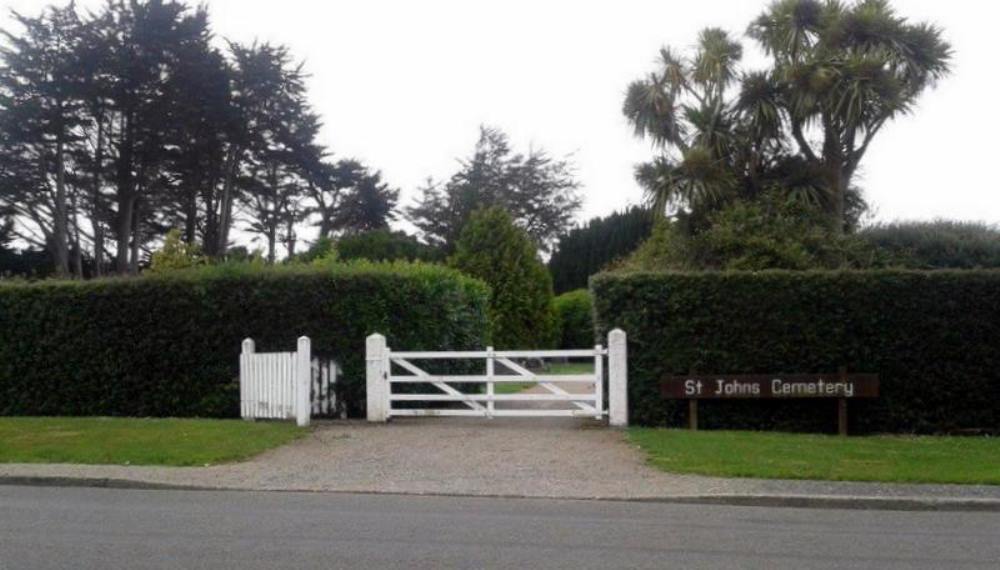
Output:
x,y
846,502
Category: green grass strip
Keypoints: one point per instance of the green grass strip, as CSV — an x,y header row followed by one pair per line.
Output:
x,y
893,459
128,441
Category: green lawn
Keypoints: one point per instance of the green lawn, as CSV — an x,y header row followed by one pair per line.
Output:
x,y
898,459
554,368
126,441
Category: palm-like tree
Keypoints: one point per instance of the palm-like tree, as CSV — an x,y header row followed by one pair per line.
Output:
x,y
840,73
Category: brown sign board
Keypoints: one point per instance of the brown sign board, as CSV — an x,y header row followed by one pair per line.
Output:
x,y
769,386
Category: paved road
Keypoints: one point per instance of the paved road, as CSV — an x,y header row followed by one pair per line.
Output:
x,y
104,528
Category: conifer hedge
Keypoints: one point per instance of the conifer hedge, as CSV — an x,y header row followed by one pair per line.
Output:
x,y
169,345
933,337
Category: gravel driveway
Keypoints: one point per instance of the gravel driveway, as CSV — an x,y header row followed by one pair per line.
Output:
x,y
469,456
558,458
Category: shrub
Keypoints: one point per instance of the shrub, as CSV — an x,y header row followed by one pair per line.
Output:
x,y
576,321
385,245
322,248
493,249
665,249
168,345
931,336
937,245
770,232
175,254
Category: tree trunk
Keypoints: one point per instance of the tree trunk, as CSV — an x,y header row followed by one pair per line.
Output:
x,y
226,201
125,216
191,217
291,238
833,164
133,266
95,197
60,232
836,199
210,233
77,252
272,241
126,197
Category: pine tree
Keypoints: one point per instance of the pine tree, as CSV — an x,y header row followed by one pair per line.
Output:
x,y
539,192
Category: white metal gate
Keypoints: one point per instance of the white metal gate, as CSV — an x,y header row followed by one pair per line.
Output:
x,y
394,379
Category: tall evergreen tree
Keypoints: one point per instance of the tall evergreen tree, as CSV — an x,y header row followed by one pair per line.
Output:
x,y
40,82
539,192
370,204
280,153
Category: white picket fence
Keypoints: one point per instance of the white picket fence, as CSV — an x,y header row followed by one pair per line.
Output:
x,y
588,402
286,385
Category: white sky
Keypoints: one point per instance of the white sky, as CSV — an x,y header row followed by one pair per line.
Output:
x,y
404,85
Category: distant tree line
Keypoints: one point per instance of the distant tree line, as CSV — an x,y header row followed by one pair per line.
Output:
x,y
119,125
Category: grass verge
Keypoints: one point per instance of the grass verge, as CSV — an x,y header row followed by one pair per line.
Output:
x,y
129,441
891,459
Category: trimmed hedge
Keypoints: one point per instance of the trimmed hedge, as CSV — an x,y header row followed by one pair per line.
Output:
x,y
575,311
933,337
169,345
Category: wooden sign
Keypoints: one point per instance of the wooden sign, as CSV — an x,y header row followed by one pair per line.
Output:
x,y
840,386
765,386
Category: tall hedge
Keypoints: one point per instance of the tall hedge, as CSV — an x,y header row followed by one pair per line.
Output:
x,y
933,337
168,345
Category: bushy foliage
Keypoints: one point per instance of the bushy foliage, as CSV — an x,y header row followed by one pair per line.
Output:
x,y
168,345
586,250
322,248
493,249
771,232
175,254
931,336
940,244
386,245
575,311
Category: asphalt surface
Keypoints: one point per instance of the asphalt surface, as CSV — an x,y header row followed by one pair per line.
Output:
x,y
105,528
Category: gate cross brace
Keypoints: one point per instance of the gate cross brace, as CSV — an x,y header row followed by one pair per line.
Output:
x,y
552,388
439,385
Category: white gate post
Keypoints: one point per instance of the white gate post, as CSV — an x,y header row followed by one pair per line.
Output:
x,y
245,378
303,382
599,381
376,379
617,379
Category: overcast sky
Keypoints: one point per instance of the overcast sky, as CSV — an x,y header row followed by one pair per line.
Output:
x,y
403,85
